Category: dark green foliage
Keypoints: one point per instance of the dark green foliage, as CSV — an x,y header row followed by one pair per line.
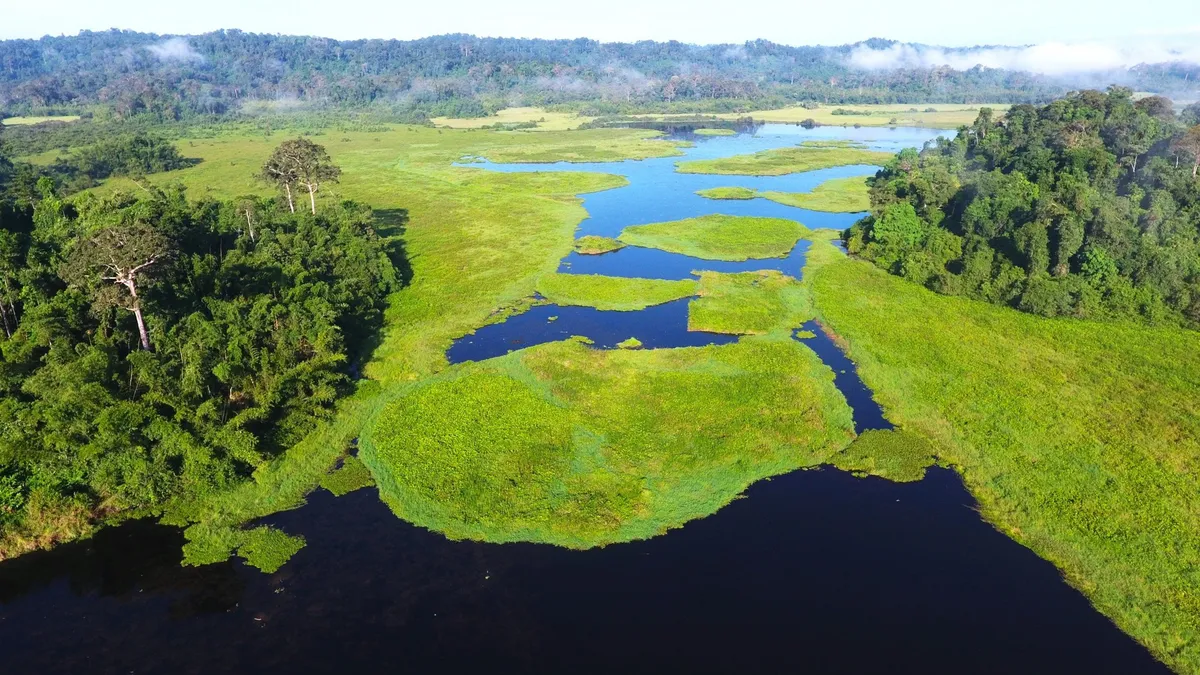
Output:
x,y
249,340
1088,206
216,73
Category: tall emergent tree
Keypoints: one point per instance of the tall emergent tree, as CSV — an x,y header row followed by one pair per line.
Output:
x,y
281,171
119,258
302,162
1189,142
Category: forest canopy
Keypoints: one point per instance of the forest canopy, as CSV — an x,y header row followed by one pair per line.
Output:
x,y
1088,206
252,315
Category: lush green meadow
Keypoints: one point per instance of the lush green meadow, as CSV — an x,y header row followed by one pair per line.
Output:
x,y
715,132
579,447
1080,439
838,195
719,237
781,161
611,293
749,303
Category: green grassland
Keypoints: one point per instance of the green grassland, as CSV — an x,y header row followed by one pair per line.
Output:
x,y
16,121
715,132
541,119
839,195
899,456
749,303
476,241
611,293
719,237
736,193
1080,439
579,447
781,161
594,245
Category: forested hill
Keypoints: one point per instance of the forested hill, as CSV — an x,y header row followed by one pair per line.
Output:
x,y
1088,206
216,73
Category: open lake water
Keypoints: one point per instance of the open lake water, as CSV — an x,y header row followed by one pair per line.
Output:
x,y
812,572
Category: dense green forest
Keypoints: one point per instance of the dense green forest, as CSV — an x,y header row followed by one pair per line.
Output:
x,y
153,347
1088,206
169,78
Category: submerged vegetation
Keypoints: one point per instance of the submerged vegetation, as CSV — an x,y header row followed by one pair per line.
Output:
x,y
611,293
781,161
719,237
570,445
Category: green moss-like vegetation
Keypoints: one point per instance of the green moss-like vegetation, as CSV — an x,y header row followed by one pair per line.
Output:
x,y
728,193
1080,439
612,293
782,161
719,237
715,132
594,245
833,143
268,549
840,195
748,303
631,343
352,475
901,456
564,444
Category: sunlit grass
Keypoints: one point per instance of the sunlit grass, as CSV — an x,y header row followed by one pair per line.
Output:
x,y
719,237
748,303
611,293
781,161
595,245
1080,439
543,119
579,447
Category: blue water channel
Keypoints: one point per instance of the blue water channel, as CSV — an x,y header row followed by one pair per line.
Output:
x,y
658,193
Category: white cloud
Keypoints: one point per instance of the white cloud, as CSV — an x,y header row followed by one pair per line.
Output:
x,y
1051,58
175,49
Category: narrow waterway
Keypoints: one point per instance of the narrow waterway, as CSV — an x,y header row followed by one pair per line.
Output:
x,y
812,572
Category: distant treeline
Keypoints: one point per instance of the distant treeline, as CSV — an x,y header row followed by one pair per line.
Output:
x,y
170,78
1088,206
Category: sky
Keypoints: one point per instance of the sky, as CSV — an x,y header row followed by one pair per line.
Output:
x,y
794,22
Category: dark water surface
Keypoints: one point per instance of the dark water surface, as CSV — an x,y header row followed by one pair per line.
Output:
x,y
812,572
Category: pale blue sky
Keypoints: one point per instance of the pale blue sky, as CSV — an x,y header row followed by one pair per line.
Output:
x,y
946,22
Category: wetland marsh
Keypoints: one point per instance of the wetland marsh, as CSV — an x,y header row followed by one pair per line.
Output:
x,y
565,503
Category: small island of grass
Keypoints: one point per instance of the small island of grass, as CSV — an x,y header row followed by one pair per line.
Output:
x,y
594,245
719,237
728,193
631,343
715,132
612,293
782,161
